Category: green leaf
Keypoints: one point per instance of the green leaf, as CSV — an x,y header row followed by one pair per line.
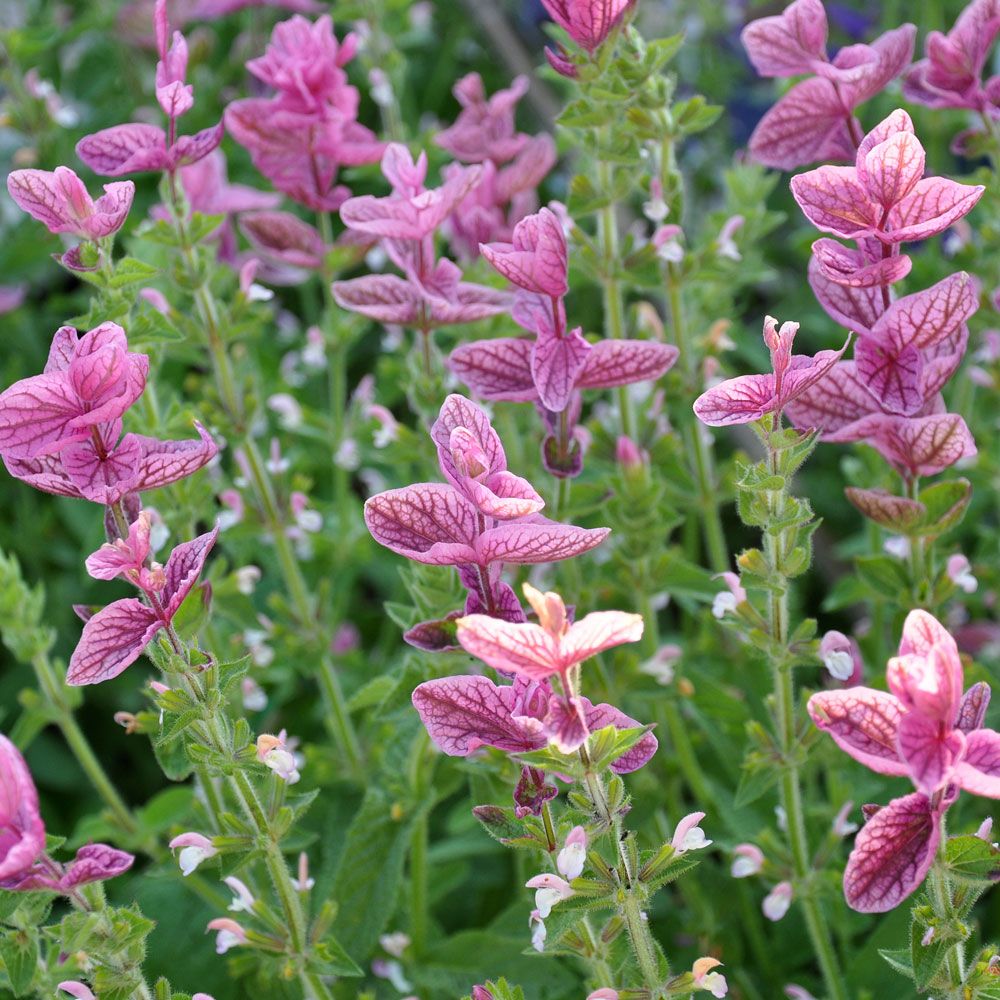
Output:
x,y
883,575
370,872
19,953
972,860
333,960
946,504
899,959
757,777
167,807
132,271
502,824
926,960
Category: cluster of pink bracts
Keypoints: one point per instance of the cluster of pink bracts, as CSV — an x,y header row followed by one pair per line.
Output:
x,y
62,431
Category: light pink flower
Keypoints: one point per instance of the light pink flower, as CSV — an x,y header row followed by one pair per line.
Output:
x,y
706,978
173,94
571,859
885,194
959,571
115,637
195,848
536,258
484,129
689,836
747,398
551,647
23,838
748,860
229,934
273,752
549,890
837,654
728,600
605,993
923,728
59,200
777,901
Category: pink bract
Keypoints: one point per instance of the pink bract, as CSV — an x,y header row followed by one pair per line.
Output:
x,y
587,22
747,398
59,201
22,833
925,729
115,636
814,120
884,194
951,75
467,712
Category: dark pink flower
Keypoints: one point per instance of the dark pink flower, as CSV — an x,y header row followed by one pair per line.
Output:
x,y
301,137
952,74
926,729
467,712
587,22
137,148
482,518
885,194
116,635
284,238
87,381
23,865
22,833
747,398
484,129
789,44
174,95
536,258
59,201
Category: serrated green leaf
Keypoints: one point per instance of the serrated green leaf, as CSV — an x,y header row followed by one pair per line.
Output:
x,y
19,953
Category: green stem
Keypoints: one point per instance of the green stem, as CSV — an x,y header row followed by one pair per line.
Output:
x,y
614,302
79,744
941,894
340,719
631,897
698,447
791,786
419,905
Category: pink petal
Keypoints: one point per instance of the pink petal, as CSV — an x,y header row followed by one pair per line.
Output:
x,y
930,752
894,52
124,149
496,369
808,124
566,724
833,201
930,208
979,770
384,297
855,269
972,709
599,716
505,497
839,404
893,377
536,543
612,363
464,713
857,308
739,400
536,259
103,480
427,522
598,631
285,237
45,472
36,414
926,318
24,833
556,364
184,567
587,22
111,640
525,649
164,462
892,854
94,863
892,168
790,43
863,723
924,446
192,148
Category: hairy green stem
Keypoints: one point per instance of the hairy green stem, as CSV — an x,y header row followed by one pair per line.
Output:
x,y
941,895
791,785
